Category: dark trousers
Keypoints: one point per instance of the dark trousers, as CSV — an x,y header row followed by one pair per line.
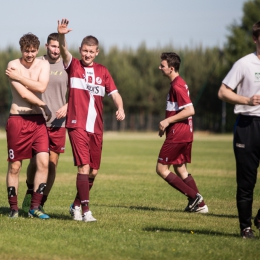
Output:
x,y
247,154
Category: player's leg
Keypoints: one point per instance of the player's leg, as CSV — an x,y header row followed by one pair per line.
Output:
x,y
246,149
53,162
19,148
12,181
95,144
30,174
57,139
40,180
172,154
174,180
181,171
92,175
79,140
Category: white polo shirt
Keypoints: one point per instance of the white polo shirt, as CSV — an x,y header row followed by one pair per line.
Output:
x,y
245,77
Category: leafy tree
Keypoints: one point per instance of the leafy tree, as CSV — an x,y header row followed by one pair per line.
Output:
x,y
239,41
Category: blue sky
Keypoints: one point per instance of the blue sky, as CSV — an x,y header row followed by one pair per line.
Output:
x,y
121,23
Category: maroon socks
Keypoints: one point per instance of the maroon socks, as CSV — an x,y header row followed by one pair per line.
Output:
x,y
177,183
82,184
192,184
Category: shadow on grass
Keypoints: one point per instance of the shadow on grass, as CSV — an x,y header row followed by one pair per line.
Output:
x,y
188,231
167,210
6,211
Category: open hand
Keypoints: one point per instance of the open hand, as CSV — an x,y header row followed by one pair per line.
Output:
x,y
62,112
63,26
12,73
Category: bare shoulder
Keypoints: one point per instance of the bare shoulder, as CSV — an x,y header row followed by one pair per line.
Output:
x,y
13,63
41,63
43,66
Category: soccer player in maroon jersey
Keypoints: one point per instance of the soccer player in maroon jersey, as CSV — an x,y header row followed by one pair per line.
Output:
x,y
177,125
88,84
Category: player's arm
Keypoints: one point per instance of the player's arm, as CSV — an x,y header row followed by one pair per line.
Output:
x,y
120,113
228,95
39,85
185,113
31,98
62,30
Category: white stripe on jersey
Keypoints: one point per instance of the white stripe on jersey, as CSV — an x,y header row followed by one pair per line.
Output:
x,y
173,106
112,92
92,114
187,105
96,90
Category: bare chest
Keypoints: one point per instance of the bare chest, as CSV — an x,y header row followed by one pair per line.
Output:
x,y
31,73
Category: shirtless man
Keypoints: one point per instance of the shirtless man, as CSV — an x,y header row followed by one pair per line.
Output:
x,y
26,129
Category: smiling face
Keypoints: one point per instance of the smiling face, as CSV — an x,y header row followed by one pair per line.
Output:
x,y
88,54
29,54
53,50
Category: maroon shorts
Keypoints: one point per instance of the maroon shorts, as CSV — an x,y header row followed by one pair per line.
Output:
x,y
26,136
86,147
175,153
57,139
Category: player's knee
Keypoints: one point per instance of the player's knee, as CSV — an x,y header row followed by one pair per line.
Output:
x,y
93,173
14,168
158,170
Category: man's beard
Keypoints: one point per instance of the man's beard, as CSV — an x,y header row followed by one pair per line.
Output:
x,y
52,57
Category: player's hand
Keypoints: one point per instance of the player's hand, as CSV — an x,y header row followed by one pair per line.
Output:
x,y
62,112
254,100
12,73
63,26
120,114
47,112
162,126
161,133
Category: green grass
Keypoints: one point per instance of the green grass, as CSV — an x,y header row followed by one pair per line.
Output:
x,y
139,215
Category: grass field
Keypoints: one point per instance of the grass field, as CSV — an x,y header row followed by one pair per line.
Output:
x,y
139,215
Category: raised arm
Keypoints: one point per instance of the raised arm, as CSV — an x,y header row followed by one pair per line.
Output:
x,y
120,114
38,85
62,30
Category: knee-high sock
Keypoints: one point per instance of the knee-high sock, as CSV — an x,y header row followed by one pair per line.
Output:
x,y
192,184
36,200
29,188
91,182
83,191
12,198
177,183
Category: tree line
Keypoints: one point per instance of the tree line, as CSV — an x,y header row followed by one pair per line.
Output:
x,y
144,89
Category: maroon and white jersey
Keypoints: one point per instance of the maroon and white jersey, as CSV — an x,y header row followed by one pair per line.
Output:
x,y
87,88
177,99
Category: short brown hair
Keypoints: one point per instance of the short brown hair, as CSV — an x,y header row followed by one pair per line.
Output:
x,y
90,41
173,60
29,40
53,37
256,30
